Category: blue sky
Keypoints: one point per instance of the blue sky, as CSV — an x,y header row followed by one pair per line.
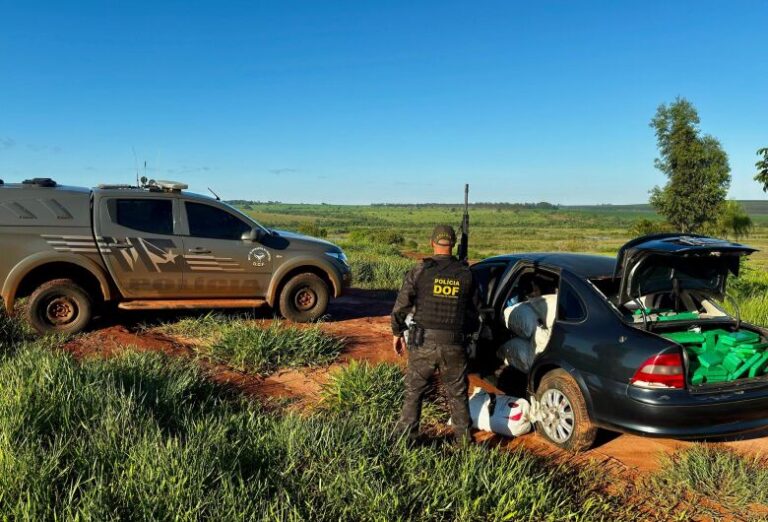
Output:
x,y
363,101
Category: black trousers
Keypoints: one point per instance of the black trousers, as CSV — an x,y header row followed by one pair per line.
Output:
x,y
451,360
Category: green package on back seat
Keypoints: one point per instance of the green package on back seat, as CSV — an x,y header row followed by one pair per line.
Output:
x,y
682,316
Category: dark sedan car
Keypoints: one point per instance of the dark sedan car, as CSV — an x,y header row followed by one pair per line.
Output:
x,y
637,343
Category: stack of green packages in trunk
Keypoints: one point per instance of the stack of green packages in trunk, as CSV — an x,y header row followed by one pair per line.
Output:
x,y
721,356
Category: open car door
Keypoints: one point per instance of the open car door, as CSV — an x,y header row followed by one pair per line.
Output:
x,y
676,262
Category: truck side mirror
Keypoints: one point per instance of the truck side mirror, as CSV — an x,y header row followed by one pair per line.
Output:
x,y
252,235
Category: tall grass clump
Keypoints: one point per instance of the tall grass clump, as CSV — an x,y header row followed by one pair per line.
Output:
x,y
12,330
257,346
146,437
755,310
376,265
714,472
380,387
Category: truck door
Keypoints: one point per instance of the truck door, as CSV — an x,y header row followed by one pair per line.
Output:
x,y
138,240
219,262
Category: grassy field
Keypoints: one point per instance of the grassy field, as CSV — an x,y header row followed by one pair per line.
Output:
x,y
498,230
380,239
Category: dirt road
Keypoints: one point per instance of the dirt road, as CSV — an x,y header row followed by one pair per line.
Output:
x,y
362,318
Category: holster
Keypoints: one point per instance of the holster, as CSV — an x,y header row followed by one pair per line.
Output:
x,y
415,336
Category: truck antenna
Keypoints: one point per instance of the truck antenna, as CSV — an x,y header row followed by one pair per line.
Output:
x,y
463,253
214,194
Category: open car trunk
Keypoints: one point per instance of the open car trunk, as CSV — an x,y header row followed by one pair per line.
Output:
x,y
719,353
670,284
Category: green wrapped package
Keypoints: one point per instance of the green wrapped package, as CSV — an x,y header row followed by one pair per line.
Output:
x,y
720,356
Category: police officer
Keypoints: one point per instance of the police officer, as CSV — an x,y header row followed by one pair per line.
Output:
x,y
441,295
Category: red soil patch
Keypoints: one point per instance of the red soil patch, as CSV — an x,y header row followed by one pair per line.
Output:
x,y
362,319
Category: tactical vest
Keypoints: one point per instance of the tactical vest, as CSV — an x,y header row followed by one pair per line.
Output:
x,y
443,291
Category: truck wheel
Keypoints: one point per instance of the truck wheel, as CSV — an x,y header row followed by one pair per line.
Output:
x,y
565,421
304,298
59,306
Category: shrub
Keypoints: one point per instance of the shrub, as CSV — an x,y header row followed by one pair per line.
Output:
x,y
645,227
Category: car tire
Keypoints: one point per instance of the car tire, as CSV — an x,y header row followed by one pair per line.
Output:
x,y
565,420
304,298
59,306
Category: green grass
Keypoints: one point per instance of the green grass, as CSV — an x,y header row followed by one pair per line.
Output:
x,y
376,387
257,346
12,331
144,437
716,474
376,266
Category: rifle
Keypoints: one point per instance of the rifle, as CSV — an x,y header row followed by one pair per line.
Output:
x,y
463,252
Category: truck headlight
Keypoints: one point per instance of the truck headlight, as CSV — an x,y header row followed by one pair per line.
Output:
x,y
340,256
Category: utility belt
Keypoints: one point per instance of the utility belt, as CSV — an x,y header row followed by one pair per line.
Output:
x,y
418,336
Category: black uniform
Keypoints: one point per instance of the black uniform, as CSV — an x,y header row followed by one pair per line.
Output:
x,y
442,295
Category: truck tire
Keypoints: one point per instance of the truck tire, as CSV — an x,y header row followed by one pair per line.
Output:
x,y
304,298
59,306
565,420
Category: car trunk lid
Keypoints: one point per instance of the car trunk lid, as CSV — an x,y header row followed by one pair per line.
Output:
x,y
676,262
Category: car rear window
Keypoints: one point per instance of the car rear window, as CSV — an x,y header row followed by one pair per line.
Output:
x,y
146,215
215,223
569,305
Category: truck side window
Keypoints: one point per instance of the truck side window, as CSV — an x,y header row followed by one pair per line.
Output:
x,y
211,222
147,215
569,305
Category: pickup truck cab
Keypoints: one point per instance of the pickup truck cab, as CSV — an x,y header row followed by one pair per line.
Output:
x,y
72,251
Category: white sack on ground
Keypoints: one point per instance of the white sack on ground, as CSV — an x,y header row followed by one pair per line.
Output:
x,y
502,414
517,353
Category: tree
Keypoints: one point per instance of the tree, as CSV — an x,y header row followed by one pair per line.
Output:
x,y
732,220
695,164
762,168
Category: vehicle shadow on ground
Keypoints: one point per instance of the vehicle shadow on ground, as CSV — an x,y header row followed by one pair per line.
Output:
x,y
354,304
358,303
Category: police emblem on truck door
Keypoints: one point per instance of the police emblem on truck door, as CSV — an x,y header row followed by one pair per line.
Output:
x,y
259,257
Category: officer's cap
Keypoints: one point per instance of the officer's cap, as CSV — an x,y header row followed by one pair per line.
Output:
x,y
444,235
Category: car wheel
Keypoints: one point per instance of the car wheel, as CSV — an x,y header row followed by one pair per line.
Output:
x,y
59,306
304,298
564,420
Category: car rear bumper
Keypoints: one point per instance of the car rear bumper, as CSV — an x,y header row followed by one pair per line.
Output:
x,y
685,415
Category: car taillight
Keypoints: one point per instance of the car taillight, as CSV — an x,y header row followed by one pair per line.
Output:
x,y
661,371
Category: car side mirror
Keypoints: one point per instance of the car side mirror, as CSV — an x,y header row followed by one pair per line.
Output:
x,y
252,235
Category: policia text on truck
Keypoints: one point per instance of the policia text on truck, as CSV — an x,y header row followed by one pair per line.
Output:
x,y
74,251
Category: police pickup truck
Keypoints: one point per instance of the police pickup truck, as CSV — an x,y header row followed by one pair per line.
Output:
x,y
74,251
